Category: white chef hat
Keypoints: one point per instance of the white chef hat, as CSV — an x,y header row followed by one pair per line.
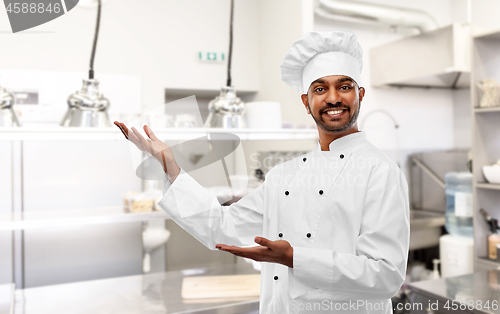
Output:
x,y
319,54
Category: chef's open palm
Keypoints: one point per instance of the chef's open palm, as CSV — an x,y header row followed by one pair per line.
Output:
x,y
279,251
159,150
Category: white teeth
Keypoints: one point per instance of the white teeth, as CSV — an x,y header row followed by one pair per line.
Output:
x,y
334,111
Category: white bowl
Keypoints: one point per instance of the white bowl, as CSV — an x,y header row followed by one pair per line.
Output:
x,y
154,238
492,173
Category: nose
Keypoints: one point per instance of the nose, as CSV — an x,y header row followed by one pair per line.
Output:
x,y
333,96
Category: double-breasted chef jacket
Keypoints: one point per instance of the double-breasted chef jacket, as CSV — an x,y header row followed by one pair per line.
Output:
x,y
345,212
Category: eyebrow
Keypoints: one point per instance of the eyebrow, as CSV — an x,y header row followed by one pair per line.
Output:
x,y
318,81
345,79
340,80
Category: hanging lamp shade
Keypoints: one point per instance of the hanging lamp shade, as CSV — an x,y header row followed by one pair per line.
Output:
x,y
8,117
88,107
227,110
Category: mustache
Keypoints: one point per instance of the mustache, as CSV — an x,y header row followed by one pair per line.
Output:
x,y
335,106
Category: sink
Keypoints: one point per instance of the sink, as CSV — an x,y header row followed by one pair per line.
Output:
x,y
152,238
425,228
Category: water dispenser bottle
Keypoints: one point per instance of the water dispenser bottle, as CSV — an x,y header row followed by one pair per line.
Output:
x,y
459,204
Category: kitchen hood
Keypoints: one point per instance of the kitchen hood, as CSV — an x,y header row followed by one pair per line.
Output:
x,y
439,59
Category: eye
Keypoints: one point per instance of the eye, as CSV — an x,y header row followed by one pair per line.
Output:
x,y
345,87
319,89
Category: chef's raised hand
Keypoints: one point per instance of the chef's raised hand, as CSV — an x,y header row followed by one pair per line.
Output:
x,y
159,150
279,251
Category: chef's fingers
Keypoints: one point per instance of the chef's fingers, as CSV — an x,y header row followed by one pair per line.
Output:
x,y
253,251
264,242
130,136
241,254
236,248
259,257
257,253
141,139
134,139
221,246
124,127
123,132
119,126
150,133
229,248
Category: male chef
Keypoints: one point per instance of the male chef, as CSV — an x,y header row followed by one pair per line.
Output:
x,y
331,226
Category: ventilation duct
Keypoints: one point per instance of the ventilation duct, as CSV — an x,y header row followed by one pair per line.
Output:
x,y
437,57
362,12
440,59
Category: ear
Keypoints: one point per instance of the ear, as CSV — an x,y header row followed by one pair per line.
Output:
x,y
305,102
361,93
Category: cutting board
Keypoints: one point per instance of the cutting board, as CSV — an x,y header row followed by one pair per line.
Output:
x,y
203,287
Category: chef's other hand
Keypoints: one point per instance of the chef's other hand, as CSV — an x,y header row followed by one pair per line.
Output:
x,y
279,251
159,150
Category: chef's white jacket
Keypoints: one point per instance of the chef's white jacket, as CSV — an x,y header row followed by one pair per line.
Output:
x,y
345,212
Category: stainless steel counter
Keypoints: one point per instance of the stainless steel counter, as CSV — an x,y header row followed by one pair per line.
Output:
x,y
480,287
425,228
151,294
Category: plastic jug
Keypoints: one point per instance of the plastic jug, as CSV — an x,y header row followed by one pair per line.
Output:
x,y
459,204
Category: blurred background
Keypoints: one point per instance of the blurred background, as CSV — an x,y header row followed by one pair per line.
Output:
x,y
76,222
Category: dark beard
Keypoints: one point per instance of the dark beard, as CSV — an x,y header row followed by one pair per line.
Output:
x,y
321,123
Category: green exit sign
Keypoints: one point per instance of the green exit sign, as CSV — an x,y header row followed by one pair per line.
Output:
x,y
210,56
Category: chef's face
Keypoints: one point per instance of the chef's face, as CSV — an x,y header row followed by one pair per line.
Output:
x,y
334,102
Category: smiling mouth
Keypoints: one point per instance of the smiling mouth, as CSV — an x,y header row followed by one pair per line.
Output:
x,y
334,113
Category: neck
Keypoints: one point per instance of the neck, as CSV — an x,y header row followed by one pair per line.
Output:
x,y
325,137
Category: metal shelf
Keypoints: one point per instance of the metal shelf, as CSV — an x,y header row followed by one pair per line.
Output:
x,y
488,34
491,186
210,93
18,220
110,134
490,109
485,64
49,219
78,217
487,263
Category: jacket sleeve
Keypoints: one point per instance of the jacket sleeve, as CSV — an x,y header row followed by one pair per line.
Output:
x,y
199,212
378,269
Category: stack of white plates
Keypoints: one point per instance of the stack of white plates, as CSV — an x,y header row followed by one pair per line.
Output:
x,y
263,115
